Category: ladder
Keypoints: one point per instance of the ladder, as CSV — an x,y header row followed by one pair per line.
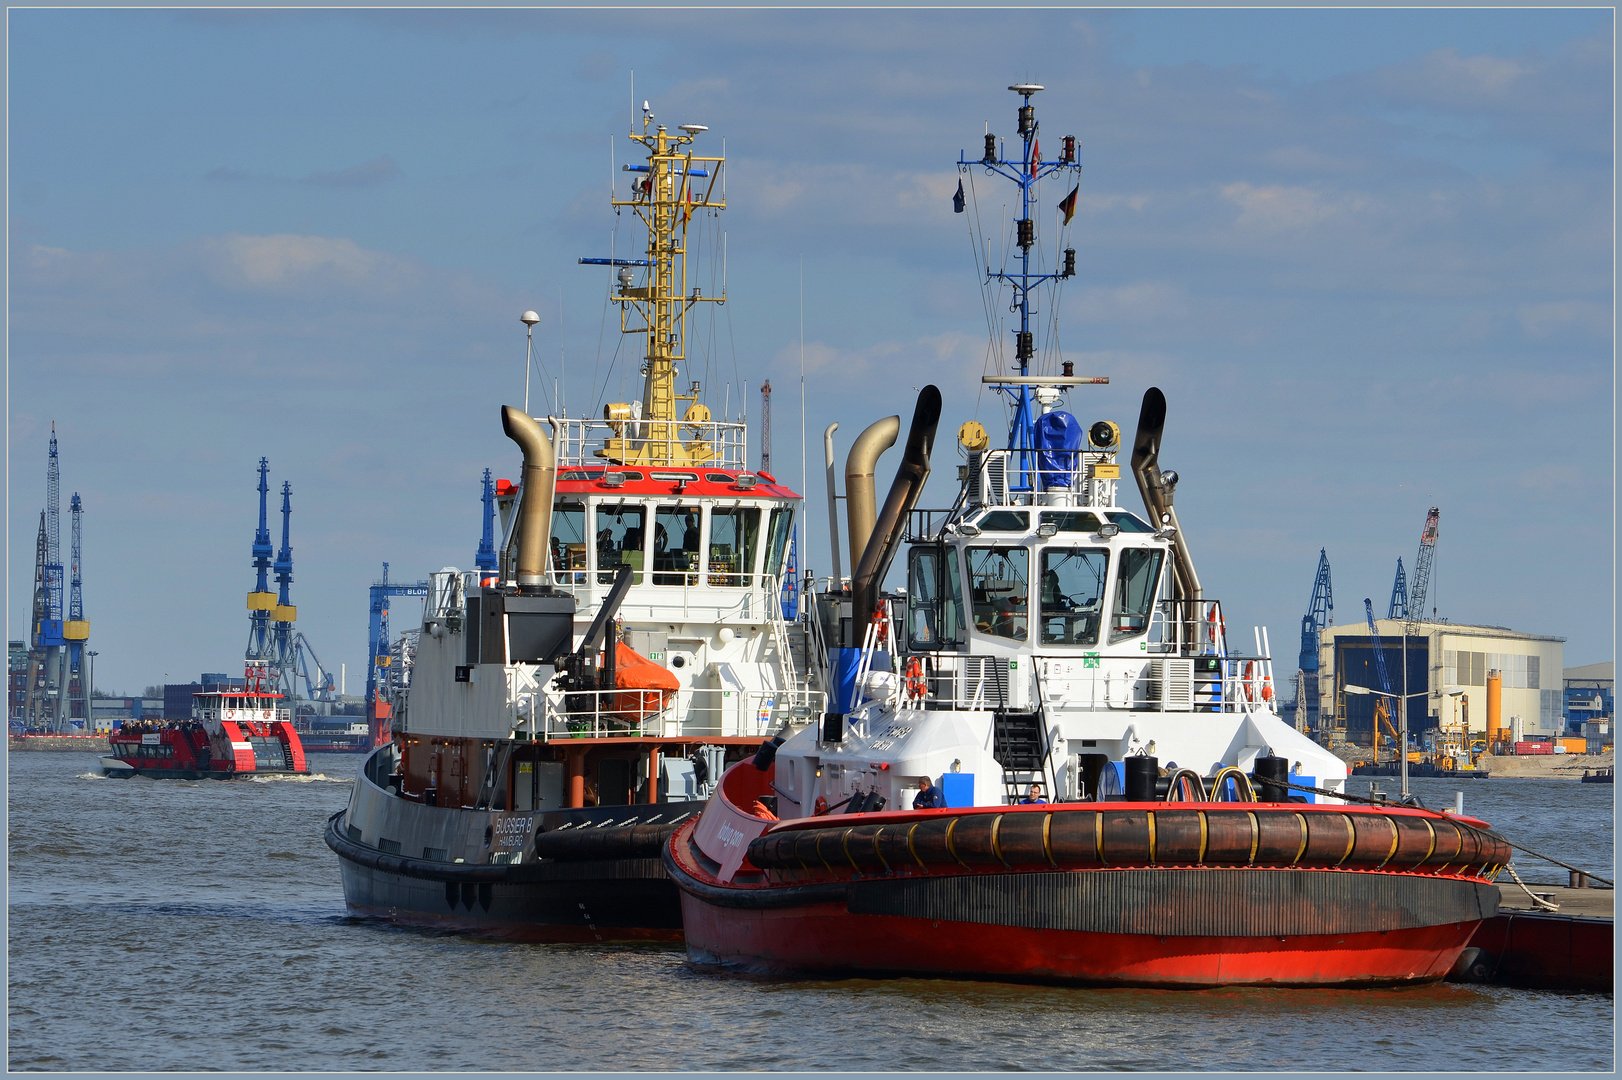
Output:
x,y
1019,743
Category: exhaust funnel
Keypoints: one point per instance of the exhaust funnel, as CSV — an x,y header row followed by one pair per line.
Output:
x,y
1157,488
904,493
860,506
540,481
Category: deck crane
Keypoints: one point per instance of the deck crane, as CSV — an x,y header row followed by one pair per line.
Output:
x,y
1422,572
1320,614
1398,609
1382,702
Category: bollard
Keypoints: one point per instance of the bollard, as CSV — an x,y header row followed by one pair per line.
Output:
x,y
1579,880
1458,803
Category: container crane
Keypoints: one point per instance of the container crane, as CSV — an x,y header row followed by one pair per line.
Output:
x,y
47,662
1422,572
285,613
76,628
261,601
485,560
379,653
1320,614
1398,608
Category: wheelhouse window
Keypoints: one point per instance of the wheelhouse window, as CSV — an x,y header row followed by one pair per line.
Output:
x,y
1130,522
1004,521
621,539
676,537
999,589
1072,595
1070,520
569,542
1136,585
777,540
934,599
734,543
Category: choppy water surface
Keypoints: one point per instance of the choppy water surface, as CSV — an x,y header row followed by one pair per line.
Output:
x,y
200,925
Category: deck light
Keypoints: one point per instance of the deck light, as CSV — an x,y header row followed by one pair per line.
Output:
x,y
1047,528
613,479
745,481
1108,530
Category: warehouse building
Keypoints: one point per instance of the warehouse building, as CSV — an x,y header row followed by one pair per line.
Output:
x,y
1447,666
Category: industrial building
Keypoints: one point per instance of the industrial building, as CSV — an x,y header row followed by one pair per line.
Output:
x,y
1447,666
1590,701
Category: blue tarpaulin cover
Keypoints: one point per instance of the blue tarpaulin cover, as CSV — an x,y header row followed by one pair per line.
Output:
x,y
1059,439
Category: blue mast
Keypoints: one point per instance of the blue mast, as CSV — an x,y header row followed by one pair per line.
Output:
x,y
260,601
485,560
1025,172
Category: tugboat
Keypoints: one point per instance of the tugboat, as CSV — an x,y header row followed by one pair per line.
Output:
x,y
567,710
1055,645
234,732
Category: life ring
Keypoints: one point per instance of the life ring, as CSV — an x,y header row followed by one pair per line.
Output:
x,y
916,687
1249,680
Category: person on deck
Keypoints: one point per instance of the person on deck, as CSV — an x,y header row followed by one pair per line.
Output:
x,y
1033,796
929,796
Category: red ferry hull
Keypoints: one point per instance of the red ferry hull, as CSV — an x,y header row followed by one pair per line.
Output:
x,y
827,939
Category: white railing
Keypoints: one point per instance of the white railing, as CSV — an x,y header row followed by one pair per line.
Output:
x,y
674,714
679,444
999,481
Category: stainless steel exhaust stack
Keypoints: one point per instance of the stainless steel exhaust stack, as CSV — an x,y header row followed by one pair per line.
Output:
x,y
539,484
833,498
1157,487
886,533
860,507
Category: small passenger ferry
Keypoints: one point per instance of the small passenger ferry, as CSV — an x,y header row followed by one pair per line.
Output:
x,y
233,732
1048,759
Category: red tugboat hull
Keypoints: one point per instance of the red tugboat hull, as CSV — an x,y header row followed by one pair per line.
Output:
x,y
828,939
1130,894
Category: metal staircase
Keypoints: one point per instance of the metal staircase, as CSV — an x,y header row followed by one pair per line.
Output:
x,y
1020,745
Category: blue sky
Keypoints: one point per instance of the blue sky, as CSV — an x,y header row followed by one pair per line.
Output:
x,y
1367,255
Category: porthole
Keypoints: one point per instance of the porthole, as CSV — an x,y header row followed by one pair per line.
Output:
x,y
678,661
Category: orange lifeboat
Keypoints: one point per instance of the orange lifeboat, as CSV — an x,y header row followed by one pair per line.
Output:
x,y
645,688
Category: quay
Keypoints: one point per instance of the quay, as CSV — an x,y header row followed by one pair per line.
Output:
x,y
1570,948
83,744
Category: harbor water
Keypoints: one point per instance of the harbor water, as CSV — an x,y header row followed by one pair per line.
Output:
x,y
179,925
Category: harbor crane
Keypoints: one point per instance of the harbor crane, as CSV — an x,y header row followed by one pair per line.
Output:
x,y
485,560
1398,608
1320,614
1382,702
380,659
1422,572
45,705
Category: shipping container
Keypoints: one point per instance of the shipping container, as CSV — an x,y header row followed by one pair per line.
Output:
x,y
1522,748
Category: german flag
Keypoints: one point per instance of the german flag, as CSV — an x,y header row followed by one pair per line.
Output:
x,y
1067,206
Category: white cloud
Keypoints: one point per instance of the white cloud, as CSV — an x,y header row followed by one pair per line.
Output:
x,y
1278,207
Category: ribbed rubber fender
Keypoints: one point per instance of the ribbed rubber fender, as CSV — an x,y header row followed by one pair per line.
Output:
x,y
1020,839
1329,839
427,869
1180,837
753,897
1073,838
929,842
1126,837
861,849
973,836
1233,837
636,842
1416,843
1375,840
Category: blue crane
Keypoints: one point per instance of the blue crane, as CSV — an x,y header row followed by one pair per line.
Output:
x,y
1320,615
378,653
261,601
485,560
285,613
1399,595
1382,705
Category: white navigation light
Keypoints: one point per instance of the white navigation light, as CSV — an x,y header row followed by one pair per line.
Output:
x,y
693,129
625,276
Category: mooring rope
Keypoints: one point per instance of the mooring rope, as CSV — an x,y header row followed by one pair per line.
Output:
x,y
1511,843
1538,901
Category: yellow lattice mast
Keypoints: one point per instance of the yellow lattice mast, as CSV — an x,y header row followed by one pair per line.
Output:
x,y
677,184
